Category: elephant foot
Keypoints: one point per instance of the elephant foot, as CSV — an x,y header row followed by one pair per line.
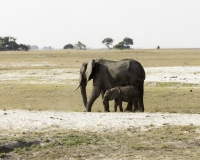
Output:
x,y
127,110
106,110
88,109
141,109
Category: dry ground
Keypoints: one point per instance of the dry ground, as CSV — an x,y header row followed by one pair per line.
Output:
x,y
167,142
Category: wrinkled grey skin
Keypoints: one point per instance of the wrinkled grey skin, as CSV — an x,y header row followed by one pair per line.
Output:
x,y
127,94
108,74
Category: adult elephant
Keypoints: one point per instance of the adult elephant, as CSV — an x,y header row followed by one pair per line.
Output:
x,y
107,74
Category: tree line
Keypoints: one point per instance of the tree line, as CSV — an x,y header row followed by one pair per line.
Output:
x,y
124,44
9,44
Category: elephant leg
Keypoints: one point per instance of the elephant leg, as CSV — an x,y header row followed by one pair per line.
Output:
x,y
95,94
102,94
128,107
141,102
135,102
141,107
120,107
115,105
106,105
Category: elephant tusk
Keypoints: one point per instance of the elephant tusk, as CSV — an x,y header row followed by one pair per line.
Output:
x,y
77,87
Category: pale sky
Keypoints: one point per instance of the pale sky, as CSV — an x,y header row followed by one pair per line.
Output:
x,y
167,23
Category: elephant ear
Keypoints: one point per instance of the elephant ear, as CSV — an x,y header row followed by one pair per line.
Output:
x,y
88,71
115,92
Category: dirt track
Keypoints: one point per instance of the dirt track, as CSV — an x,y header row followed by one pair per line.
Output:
x,y
20,120
185,74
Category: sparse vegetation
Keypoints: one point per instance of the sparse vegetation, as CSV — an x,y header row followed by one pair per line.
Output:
x,y
2,155
168,141
161,97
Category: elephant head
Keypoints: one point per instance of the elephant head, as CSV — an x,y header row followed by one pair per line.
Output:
x,y
111,94
84,77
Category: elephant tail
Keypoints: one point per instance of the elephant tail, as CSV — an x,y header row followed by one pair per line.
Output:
x,y
141,75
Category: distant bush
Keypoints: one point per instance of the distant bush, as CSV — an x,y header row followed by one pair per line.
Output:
x,y
34,47
68,46
80,45
48,48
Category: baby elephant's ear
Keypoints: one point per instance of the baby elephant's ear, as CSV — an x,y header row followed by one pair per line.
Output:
x,y
115,92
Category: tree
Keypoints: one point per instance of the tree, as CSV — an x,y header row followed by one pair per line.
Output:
x,y
2,44
124,44
80,45
12,39
108,41
128,41
158,47
120,45
8,43
24,47
6,40
68,46
12,45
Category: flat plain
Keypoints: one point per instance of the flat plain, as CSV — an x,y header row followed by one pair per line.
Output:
x,y
37,93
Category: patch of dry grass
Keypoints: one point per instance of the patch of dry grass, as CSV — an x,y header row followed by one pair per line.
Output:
x,y
74,58
160,98
172,99
156,143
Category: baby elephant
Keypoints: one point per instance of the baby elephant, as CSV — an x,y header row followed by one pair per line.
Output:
x,y
125,93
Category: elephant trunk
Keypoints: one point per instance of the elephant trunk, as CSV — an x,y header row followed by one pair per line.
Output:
x,y
83,91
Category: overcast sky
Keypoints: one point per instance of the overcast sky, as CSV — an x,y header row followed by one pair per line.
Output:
x,y
167,23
